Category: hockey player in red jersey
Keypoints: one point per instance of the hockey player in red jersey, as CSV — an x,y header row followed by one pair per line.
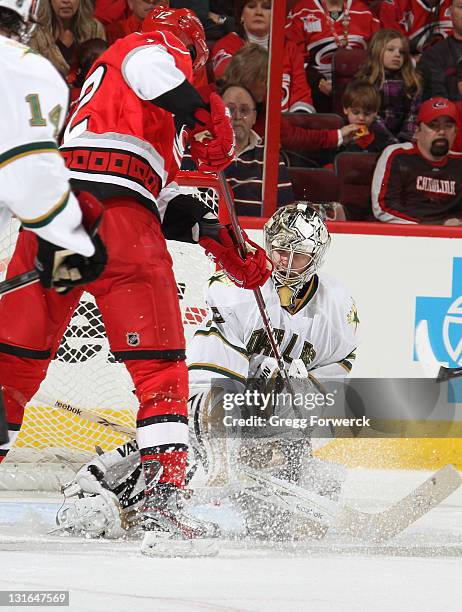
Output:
x,y
124,144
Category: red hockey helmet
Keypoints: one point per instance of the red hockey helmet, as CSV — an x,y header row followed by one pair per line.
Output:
x,y
184,24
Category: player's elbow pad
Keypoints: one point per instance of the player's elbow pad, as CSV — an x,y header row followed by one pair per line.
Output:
x,y
182,101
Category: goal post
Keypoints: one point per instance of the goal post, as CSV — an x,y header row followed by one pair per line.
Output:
x,y
56,438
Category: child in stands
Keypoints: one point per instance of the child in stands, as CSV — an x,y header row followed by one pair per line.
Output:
x,y
361,104
390,69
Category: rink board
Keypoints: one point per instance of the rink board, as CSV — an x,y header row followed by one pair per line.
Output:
x,y
398,276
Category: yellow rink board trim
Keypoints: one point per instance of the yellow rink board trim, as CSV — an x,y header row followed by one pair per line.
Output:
x,y
410,445
46,427
392,453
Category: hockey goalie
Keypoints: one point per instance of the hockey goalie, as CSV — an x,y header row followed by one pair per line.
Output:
x,y
311,314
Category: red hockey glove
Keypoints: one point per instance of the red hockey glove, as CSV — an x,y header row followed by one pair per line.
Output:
x,y
248,273
212,139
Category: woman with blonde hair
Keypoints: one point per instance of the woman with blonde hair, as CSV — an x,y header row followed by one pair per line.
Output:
x,y
389,68
62,26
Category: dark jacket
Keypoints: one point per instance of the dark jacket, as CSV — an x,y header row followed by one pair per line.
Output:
x,y
441,68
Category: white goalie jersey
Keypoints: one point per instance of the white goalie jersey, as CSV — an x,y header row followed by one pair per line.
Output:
x,y
321,330
34,182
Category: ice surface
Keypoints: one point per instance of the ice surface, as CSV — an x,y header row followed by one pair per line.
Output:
x,y
418,570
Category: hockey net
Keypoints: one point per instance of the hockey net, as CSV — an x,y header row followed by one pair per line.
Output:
x,y
55,439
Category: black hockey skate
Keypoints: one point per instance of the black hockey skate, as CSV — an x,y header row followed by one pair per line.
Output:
x,y
170,530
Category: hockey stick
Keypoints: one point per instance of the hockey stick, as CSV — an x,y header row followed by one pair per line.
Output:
x,y
432,367
373,526
257,292
94,417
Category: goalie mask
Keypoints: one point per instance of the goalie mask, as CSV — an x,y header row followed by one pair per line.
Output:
x,y
27,11
296,240
184,24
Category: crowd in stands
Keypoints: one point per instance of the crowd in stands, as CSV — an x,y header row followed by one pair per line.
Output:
x,y
369,87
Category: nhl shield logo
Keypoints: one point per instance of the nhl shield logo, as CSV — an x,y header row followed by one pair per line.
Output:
x,y
133,338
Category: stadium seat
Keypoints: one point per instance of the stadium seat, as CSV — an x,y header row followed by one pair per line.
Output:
x,y
312,158
314,184
345,64
318,121
354,173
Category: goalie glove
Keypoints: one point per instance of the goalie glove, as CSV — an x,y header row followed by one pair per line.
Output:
x,y
62,269
221,246
212,138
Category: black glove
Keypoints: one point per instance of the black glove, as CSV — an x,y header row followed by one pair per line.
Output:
x,y
64,270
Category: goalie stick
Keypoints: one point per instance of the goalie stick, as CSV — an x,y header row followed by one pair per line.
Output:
x,y
375,527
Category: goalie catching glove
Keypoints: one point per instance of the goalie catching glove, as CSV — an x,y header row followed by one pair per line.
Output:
x,y
220,245
62,269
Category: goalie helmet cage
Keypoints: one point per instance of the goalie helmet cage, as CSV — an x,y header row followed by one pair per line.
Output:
x,y
53,443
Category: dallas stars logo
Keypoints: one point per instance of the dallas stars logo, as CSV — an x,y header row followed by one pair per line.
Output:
x,y
352,316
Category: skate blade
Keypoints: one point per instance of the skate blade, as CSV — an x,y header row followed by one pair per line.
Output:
x,y
158,545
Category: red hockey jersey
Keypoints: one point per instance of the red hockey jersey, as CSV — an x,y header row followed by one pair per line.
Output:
x,y
420,22
296,93
312,27
117,142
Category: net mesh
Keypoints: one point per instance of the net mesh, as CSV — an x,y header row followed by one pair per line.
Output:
x,y
85,374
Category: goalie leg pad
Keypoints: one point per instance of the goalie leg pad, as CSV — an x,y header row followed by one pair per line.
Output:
x,y
306,513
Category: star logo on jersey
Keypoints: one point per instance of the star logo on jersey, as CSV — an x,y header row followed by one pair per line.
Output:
x,y
444,316
220,277
352,316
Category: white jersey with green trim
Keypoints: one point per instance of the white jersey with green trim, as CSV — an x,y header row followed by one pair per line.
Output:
x,y
34,182
322,330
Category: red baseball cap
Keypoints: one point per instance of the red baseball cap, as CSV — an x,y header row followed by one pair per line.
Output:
x,y
436,107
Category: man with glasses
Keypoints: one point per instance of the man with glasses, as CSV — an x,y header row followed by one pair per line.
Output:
x,y
245,173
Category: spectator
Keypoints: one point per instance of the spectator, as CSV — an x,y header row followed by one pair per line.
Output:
x,y
441,64
249,68
423,22
87,53
361,104
138,11
422,182
108,11
245,174
221,19
253,18
390,69
319,29
62,26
